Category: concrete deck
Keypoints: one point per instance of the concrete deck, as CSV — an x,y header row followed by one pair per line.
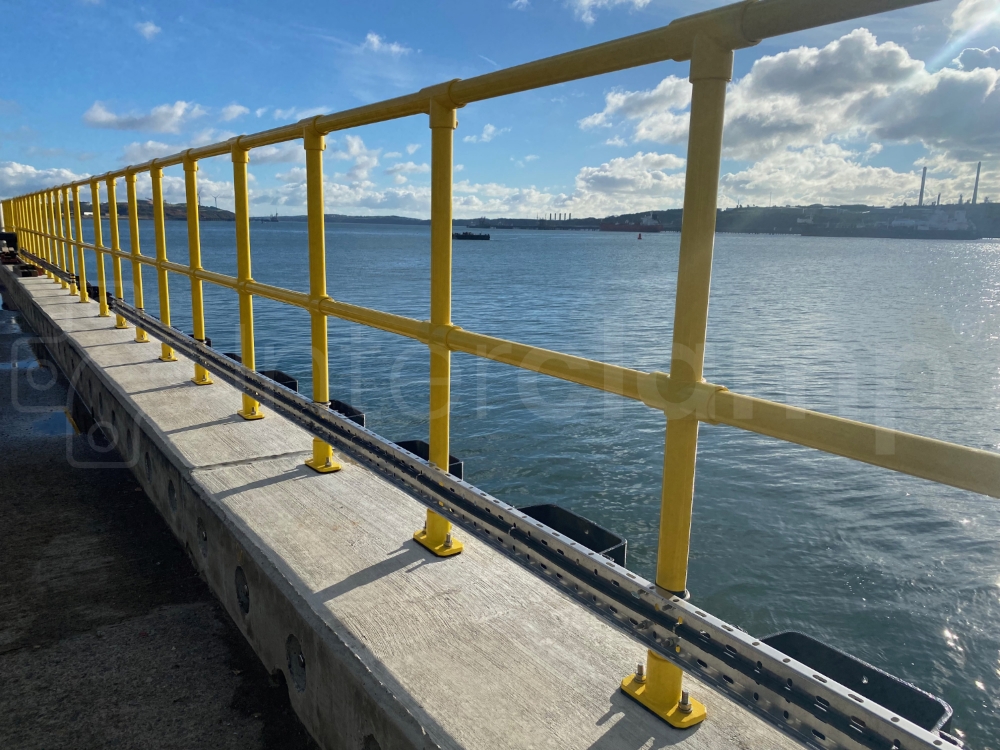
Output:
x,y
401,649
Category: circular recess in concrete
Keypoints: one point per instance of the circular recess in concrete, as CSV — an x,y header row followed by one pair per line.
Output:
x,y
172,495
296,663
98,440
202,538
149,467
242,591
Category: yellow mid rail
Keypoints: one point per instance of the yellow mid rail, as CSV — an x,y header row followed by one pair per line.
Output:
x,y
708,40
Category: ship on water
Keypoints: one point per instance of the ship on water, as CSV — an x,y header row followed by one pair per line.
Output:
x,y
923,224
648,223
935,222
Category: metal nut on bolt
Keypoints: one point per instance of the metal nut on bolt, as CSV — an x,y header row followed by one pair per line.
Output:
x,y
640,673
685,705
447,539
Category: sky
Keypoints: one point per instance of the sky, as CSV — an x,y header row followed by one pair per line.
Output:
x,y
848,113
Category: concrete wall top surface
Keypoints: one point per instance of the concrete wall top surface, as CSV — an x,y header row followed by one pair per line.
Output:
x,y
473,651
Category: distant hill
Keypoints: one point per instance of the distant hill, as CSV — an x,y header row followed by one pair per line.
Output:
x,y
171,211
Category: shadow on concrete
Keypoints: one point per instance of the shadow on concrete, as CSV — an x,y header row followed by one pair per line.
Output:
x,y
408,554
301,471
626,734
215,423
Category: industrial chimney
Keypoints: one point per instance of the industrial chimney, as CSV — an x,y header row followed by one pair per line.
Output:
x,y
923,181
975,190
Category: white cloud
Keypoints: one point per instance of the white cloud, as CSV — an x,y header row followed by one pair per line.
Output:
x,y
653,110
974,16
411,148
519,4
402,169
260,111
295,113
973,58
584,9
825,173
165,118
489,133
281,153
855,94
375,43
136,153
364,159
232,111
648,174
616,141
459,167
392,155
148,29
16,178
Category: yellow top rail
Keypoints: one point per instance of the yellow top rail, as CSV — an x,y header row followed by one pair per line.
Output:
x,y
708,41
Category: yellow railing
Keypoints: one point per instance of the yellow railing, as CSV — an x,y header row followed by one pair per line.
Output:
x,y
708,41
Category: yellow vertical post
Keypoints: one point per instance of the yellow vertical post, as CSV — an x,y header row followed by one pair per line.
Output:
x,y
51,203
436,534
201,376
241,157
315,143
133,236
160,236
41,242
116,246
35,239
4,215
661,688
66,232
39,222
80,258
102,286
27,239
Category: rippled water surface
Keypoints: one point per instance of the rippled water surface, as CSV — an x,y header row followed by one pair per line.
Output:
x,y
898,571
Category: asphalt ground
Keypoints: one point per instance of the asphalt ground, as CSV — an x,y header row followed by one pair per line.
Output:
x,y
108,637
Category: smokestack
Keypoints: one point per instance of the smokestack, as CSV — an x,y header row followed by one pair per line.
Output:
x,y
923,181
975,190
938,200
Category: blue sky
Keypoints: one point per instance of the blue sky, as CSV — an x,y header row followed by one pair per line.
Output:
x,y
844,113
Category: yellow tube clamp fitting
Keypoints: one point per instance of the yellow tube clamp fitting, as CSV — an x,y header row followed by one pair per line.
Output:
x,y
660,691
437,537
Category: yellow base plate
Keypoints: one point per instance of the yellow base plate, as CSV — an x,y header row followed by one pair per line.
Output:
x,y
324,468
670,714
440,550
206,381
250,417
121,327
168,359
